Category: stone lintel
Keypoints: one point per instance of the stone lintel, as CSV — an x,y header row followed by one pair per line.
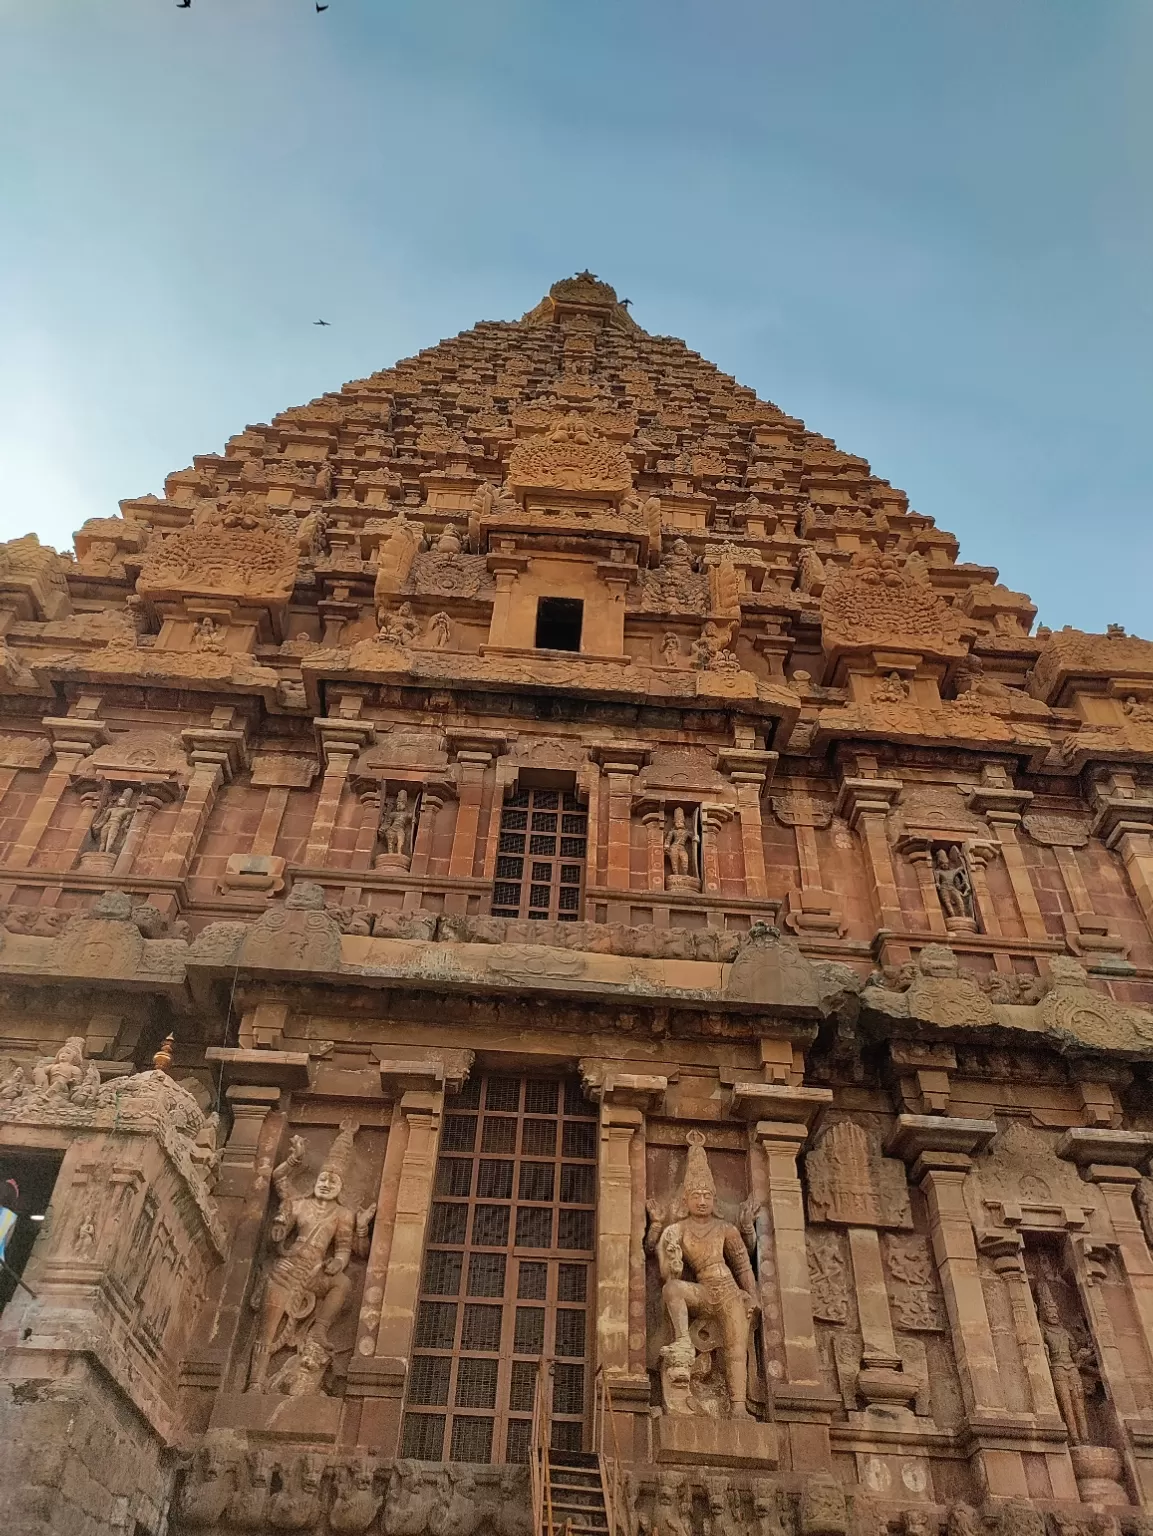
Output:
x,y
282,1069
771,1102
1085,1145
914,1136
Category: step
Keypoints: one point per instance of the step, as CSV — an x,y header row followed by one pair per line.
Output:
x,y
565,1477
590,1495
593,1515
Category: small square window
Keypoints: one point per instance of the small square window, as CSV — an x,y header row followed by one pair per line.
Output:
x,y
558,623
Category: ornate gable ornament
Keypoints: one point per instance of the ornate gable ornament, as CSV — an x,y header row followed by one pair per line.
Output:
x,y
32,580
230,552
573,459
1071,656
877,604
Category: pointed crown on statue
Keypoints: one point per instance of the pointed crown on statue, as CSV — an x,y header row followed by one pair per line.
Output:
x,y
340,1153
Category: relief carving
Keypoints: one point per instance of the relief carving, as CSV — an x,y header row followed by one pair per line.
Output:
x,y
915,1302
713,1310
954,888
1055,831
828,1277
851,1184
304,1289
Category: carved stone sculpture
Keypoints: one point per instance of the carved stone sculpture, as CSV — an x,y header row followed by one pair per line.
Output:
x,y
207,636
954,888
109,829
670,1515
1064,1366
306,1286
295,1506
439,631
670,650
396,825
356,1503
682,854
892,689
399,628
719,1301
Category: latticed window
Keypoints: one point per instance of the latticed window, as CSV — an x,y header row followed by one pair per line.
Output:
x,y
507,1273
540,862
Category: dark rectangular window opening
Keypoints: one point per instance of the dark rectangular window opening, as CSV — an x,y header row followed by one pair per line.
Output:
x,y
33,1174
558,623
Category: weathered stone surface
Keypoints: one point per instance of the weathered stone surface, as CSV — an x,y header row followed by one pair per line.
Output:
x,y
396,818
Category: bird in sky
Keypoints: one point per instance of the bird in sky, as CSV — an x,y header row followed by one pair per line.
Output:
x,y
320,7
322,322
625,303
183,5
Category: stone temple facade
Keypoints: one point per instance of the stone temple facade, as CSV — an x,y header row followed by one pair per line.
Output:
x,y
568,970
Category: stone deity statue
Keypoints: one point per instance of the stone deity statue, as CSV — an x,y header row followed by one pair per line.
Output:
x,y
952,881
449,541
207,636
1065,1360
396,825
67,1075
681,846
307,1285
439,631
110,826
721,1298
400,628
670,650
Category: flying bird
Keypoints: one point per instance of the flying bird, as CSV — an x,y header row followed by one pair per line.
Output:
x,y
625,303
320,7
183,5
322,322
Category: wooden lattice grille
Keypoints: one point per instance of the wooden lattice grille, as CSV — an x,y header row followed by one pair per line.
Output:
x,y
540,863
507,1273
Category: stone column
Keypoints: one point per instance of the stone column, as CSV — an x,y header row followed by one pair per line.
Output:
x,y
625,1100
940,1150
341,738
153,797
73,738
368,830
865,804
919,852
379,1367
432,802
1112,1160
780,1114
246,1165
620,764
652,814
977,855
216,753
471,769
1002,805
713,818
1124,821
750,771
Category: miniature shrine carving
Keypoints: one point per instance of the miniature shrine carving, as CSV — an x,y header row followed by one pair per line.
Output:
x,y
303,1290
712,1310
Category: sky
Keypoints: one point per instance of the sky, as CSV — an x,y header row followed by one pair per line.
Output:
x,y
923,226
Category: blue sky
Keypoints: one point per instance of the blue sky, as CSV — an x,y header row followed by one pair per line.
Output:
x,y
925,226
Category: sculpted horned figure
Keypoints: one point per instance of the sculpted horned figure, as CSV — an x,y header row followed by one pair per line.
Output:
x,y
721,1298
307,1284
